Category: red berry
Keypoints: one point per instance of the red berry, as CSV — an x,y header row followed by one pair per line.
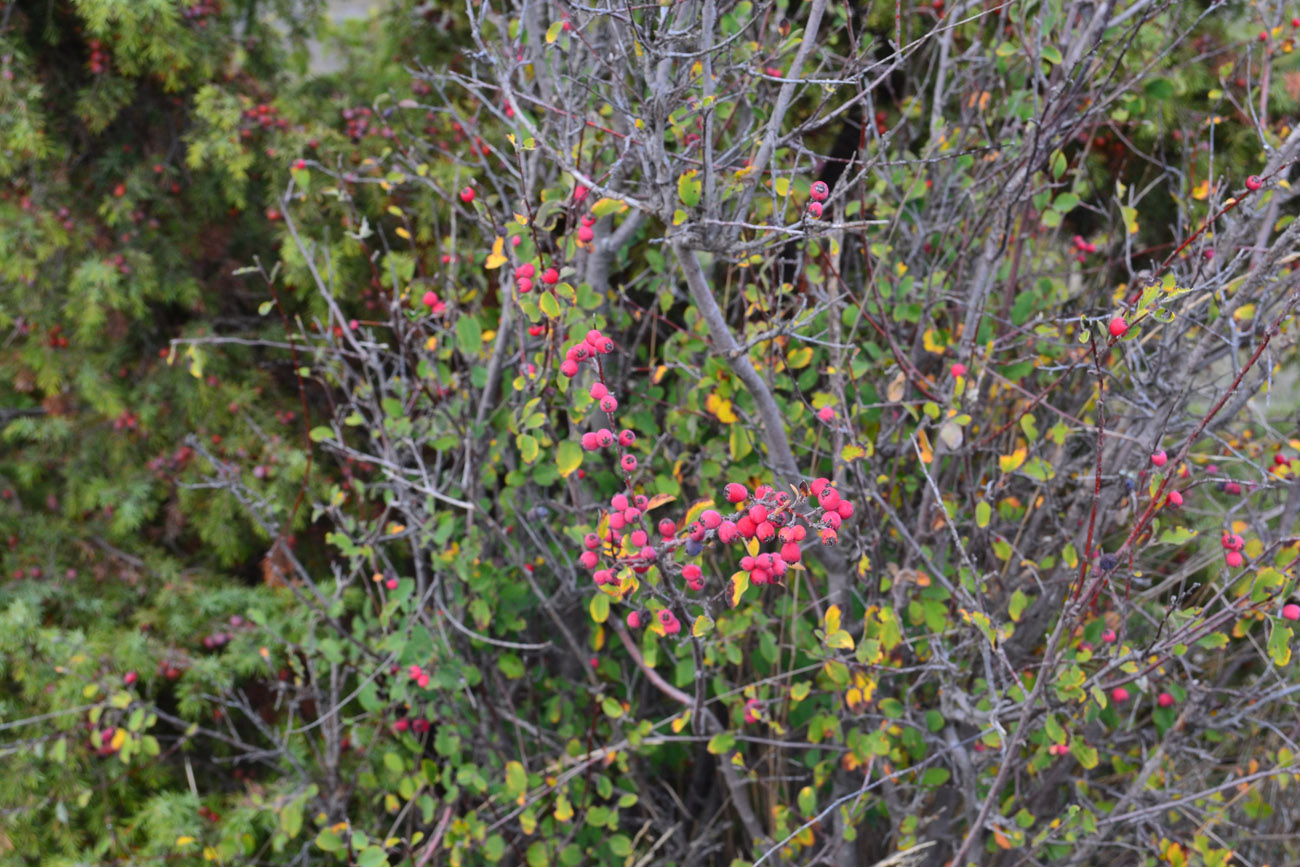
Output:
x,y
589,440
819,485
609,403
129,678
1165,700
791,552
829,537
735,493
525,270
819,191
467,195
430,298
524,285
569,367
634,620
1291,611
628,463
550,276
826,413
667,527
710,518
626,438
1159,458
1119,694
727,532
1108,636
1118,326
1175,499
598,390
691,572
1234,559
959,369
1253,182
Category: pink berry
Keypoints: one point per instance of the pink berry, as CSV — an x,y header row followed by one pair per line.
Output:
x,y
391,583
669,622
550,276
819,191
638,537
1234,559
422,681
467,195
1119,694
691,572
1165,700
1253,182
826,413
959,369
815,210
628,463
569,367
525,270
819,485
829,537
630,514
845,509
1118,326
710,518
626,438
831,518
430,299
735,493
1108,636
602,576
1159,458
129,678
589,441
727,532
609,403
1175,499
791,552
598,390
667,527
634,620
585,234
592,541
1291,611
829,498
589,559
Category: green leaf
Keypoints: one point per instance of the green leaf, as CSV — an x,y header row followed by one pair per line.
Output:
x,y
291,818
328,841
1051,54
549,305
516,780
983,512
935,777
1006,49
553,32
1058,165
722,743
1019,602
320,434
891,707
568,457
1084,754
807,801
689,188
599,608
739,442
372,856
469,335
528,447
1279,644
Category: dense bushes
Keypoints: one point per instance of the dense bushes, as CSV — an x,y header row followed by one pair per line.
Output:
x,y
336,524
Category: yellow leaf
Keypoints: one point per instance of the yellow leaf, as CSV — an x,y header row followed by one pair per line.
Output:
x,y
927,453
496,259
680,722
799,358
840,640
1202,190
832,619
401,232
781,186
739,584
930,343
563,809
1010,463
851,453
119,738
658,500
184,840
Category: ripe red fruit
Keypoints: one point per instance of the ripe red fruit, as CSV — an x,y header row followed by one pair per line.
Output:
x,y
711,519
598,390
735,493
819,191
1165,700
1253,183
300,164
524,285
1291,611
791,552
585,234
727,532
430,298
1119,694
819,485
829,537
1174,499
1118,326
959,369
628,463
1159,458
670,623
667,527
1108,636
129,678
550,276
634,620
1234,559
626,438
569,367
815,210
691,572
467,195
525,270
826,413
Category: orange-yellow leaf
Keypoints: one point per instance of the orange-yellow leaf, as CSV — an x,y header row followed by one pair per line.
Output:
x,y
1010,463
496,258
739,584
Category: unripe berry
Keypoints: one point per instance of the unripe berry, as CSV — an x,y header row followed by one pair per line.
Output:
x,y
1160,458
1165,700
598,390
1119,694
629,463
1118,326
819,191
691,572
667,527
711,519
550,276
608,403
626,438
735,493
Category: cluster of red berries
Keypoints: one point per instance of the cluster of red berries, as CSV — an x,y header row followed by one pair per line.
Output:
x,y
592,344
418,674
1233,545
263,116
524,278
586,234
126,420
818,193
360,125
1083,248
98,62
419,725
435,304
